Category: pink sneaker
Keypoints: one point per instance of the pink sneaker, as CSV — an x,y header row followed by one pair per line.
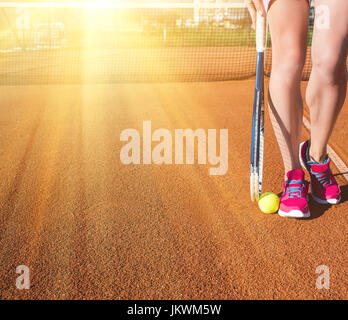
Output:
x,y
294,201
324,187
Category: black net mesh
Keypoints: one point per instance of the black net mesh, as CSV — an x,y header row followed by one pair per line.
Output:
x,y
126,42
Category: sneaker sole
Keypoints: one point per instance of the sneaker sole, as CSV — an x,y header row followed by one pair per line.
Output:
x,y
328,201
316,199
294,214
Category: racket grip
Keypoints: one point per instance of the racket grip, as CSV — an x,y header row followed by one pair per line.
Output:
x,y
260,33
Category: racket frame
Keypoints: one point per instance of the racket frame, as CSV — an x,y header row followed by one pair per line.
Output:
x,y
257,139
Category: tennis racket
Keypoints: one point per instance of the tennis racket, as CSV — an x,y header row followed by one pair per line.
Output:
x,y
257,138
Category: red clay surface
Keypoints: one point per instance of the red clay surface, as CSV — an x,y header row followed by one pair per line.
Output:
x,y
90,227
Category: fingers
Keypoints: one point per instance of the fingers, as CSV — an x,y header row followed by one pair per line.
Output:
x,y
260,7
252,11
253,7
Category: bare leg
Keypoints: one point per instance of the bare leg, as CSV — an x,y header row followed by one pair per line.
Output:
x,y
288,21
327,86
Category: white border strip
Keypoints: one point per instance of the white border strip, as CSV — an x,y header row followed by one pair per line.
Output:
x,y
125,5
341,166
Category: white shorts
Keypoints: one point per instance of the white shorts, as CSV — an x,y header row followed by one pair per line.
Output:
x,y
266,3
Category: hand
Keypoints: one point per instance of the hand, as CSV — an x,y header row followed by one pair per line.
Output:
x,y
253,7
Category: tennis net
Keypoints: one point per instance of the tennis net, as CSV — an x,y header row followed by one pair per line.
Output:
x,y
106,42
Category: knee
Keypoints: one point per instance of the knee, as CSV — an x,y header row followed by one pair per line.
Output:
x,y
329,64
290,64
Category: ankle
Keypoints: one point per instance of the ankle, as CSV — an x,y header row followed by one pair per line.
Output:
x,y
318,156
287,170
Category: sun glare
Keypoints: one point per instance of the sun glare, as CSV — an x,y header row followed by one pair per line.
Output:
x,y
101,4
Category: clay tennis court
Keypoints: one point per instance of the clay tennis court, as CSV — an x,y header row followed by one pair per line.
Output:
x,y
89,227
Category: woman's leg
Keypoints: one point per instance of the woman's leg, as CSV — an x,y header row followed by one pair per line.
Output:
x,y
288,20
327,86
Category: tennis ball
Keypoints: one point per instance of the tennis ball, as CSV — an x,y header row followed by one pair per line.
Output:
x,y
269,202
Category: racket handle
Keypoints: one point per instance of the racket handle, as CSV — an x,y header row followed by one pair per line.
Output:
x,y
260,33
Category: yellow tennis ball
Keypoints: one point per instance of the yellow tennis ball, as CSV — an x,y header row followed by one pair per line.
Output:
x,y
269,202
